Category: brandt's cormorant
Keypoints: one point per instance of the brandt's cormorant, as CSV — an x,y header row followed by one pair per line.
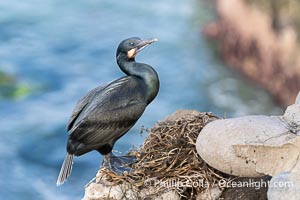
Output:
x,y
107,112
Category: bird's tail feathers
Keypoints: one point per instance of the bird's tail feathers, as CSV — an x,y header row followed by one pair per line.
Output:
x,y
65,170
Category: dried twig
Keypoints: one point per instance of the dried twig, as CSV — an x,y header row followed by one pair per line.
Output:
x,y
169,154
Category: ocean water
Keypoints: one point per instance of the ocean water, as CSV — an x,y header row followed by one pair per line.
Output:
x,y
62,49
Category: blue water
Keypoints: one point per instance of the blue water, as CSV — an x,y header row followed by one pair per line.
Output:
x,y
62,49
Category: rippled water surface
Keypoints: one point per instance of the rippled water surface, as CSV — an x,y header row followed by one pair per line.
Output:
x,y
62,49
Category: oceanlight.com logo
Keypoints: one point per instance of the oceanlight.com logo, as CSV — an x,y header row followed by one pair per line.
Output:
x,y
223,183
254,184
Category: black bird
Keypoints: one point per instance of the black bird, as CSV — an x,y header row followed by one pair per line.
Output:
x,y
107,112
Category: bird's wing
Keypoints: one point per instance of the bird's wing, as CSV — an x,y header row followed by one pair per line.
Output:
x,y
107,128
111,112
81,104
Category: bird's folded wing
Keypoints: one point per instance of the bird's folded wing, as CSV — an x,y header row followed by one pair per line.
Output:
x,y
105,126
81,104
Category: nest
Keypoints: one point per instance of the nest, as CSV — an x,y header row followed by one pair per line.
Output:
x,y
168,159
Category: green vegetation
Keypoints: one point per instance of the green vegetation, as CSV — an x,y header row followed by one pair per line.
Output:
x,y
5,78
11,89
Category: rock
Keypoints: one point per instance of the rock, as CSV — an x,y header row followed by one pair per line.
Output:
x,y
298,99
105,190
211,193
283,187
108,190
249,146
181,114
254,52
253,146
168,195
292,118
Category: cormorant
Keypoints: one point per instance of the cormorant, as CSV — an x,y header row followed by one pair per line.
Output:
x,y
107,112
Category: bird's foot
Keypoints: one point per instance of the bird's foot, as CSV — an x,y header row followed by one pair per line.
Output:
x,y
118,164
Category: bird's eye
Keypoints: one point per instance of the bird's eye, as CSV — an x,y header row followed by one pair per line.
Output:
x,y
131,43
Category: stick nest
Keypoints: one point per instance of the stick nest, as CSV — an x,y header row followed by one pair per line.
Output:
x,y
168,159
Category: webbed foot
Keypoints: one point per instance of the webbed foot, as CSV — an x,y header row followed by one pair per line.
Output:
x,y
118,164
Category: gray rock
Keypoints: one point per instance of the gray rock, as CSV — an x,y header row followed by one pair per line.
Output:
x,y
298,99
292,118
105,190
212,193
171,194
283,186
254,146
249,146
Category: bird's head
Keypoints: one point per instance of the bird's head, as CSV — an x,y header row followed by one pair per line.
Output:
x,y
132,46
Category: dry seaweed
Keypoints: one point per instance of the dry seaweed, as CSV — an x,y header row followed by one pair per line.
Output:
x,y
168,159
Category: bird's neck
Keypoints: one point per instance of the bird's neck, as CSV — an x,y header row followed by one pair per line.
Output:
x,y
143,71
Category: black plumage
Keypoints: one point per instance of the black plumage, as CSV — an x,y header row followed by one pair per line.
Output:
x,y
107,112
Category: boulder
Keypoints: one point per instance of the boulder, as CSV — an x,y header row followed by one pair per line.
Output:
x,y
282,187
257,145
292,118
106,190
249,146
285,185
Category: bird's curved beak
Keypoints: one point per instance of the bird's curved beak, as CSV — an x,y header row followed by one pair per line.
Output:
x,y
140,46
144,43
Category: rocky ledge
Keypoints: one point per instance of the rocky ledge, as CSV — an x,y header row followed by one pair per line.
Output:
x,y
257,145
194,155
252,43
